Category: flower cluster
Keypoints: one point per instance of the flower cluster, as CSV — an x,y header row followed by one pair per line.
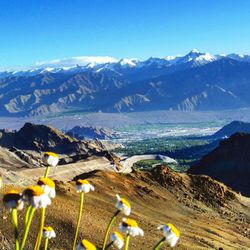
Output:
x,y
40,196
37,197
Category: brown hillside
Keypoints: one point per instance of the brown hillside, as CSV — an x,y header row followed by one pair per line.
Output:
x,y
229,163
208,214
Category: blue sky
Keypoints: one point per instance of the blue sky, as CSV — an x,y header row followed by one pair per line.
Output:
x,y
43,30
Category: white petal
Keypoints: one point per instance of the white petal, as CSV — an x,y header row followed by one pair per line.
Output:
x,y
172,240
92,187
118,197
126,210
85,188
41,201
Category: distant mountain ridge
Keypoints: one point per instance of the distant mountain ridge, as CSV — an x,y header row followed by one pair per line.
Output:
x,y
196,81
230,129
89,132
194,57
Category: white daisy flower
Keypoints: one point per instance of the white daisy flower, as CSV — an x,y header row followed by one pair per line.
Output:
x,y
13,200
36,197
50,159
171,234
48,232
83,186
85,245
117,240
130,227
123,205
48,186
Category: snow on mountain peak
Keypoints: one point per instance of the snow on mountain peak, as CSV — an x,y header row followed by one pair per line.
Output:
x,y
170,58
194,51
78,64
128,62
80,60
205,57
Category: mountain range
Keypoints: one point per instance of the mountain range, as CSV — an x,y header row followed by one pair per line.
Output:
x,y
196,81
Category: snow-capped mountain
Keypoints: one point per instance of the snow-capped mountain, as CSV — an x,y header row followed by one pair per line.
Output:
x,y
194,58
196,81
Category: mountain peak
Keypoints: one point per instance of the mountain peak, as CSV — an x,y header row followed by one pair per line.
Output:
x,y
194,51
128,62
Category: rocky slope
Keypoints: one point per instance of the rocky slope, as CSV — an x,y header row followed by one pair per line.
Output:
x,y
84,132
229,163
31,140
41,138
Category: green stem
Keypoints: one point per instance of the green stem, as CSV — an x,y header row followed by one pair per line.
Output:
x,y
40,232
15,226
109,245
79,219
111,222
46,174
159,244
27,228
46,243
127,242
27,214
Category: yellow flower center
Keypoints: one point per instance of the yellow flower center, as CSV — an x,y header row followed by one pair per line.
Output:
x,y
88,245
118,235
82,182
12,195
34,191
125,202
13,191
130,223
48,229
46,181
51,154
174,229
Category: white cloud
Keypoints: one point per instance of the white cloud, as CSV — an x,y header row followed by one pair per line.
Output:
x,y
80,60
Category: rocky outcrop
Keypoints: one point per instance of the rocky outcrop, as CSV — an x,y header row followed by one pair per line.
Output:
x,y
84,132
229,163
45,138
129,103
27,157
188,187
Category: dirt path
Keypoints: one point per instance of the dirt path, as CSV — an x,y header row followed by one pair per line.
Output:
x,y
61,173
128,163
